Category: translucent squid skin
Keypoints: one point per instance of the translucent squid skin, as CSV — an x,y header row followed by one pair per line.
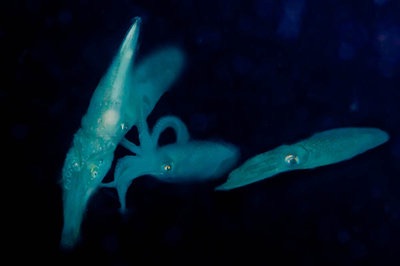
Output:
x,y
85,166
92,151
323,148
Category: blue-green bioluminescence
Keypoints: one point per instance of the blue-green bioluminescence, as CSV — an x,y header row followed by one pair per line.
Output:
x,y
323,148
124,98
92,151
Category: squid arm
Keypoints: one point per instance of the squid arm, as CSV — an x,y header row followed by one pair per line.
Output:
x,y
323,148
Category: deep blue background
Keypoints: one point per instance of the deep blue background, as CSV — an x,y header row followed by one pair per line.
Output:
x,y
259,73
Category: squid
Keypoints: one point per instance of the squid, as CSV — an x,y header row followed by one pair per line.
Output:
x,y
184,161
92,151
124,98
323,148
122,93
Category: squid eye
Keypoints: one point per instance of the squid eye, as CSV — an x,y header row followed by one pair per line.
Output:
x,y
94,171
292,159
166,167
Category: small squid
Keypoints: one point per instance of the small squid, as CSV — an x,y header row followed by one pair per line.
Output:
x,y
323,148
180,162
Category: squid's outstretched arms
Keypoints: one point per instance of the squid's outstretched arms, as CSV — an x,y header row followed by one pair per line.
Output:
x,y
323,148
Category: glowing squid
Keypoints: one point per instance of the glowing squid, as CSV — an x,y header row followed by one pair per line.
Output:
x,y
124,98
323,148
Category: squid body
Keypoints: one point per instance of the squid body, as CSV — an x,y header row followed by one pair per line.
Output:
x,y
92,151
114,108
323,148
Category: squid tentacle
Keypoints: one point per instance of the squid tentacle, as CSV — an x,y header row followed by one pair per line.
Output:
x,y
181,131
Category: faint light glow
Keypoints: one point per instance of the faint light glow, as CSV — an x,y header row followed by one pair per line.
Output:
x,y
108,123
289,26
346,51
380,2
110,118
388,46
354,106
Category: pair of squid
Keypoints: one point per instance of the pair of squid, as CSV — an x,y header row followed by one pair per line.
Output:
x,y
124,98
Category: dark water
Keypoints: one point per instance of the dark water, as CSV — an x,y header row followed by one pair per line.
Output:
x,y
259,73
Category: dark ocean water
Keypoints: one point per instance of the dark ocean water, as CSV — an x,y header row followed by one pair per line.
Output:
x,y
259,74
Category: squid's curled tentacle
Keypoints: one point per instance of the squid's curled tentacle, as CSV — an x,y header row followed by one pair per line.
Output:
x,y
181,131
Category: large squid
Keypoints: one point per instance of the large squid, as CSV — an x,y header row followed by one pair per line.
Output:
x,y
124,98
103,126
